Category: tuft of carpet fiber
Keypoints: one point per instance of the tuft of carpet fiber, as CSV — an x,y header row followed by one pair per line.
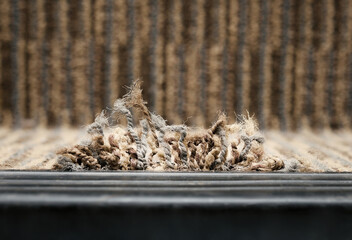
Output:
x,y
324,151
153,145
156,146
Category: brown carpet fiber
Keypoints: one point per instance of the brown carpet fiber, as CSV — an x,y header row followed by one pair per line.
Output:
x,y
325,151
287,62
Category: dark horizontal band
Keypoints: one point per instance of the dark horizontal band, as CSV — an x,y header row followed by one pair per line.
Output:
x,y
156,189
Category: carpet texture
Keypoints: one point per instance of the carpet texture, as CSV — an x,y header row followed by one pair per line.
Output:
x,y
324,151
154,145
287,62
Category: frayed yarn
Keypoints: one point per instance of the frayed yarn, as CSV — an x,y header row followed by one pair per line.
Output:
x,y
101,121
218,128
183,133
160,125
154,145
248,144
120,107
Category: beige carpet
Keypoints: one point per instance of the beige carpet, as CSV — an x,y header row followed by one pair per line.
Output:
x,y
34,149
287,62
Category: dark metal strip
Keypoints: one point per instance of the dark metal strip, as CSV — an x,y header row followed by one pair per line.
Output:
x,y
138,175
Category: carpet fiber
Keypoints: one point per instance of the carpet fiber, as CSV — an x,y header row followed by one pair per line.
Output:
x,y
325,151
287,62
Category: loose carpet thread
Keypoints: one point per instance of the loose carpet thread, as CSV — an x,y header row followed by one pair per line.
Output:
x,y
223,147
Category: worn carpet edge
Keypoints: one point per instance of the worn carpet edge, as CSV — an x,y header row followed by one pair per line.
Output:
x,y
115,142
323,151
154,145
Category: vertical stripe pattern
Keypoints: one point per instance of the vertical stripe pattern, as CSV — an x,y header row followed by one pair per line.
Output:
x,y
289,63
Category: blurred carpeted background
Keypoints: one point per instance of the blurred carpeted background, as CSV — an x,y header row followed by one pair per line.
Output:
x,y
287,62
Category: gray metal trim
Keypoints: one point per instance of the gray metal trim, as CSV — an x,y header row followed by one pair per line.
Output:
x,y
176,189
